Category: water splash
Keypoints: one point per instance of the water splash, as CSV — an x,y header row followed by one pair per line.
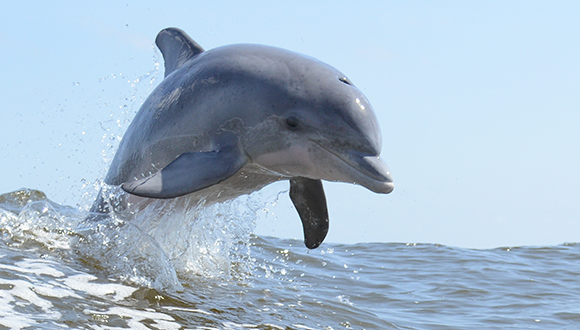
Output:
x,y
171,239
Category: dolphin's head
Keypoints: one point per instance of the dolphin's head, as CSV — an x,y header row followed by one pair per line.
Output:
x,y
328,131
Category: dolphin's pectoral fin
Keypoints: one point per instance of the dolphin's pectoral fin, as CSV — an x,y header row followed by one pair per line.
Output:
x,y
188,173
177,47
310,202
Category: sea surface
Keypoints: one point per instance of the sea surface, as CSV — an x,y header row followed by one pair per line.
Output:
x,y
201,268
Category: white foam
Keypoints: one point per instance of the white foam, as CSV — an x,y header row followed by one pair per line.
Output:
x,y
189,310
37,269
54,290
22,294
135,318
84,283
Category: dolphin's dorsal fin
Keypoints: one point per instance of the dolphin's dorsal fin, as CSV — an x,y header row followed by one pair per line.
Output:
x,y
177,47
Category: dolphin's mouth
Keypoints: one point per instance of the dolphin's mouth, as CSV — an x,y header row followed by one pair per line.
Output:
x,y
374,173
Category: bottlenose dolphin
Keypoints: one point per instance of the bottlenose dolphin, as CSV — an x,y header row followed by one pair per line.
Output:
x,y
231,120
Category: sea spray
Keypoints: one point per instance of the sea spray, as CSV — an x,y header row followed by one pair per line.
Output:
x,y
168,241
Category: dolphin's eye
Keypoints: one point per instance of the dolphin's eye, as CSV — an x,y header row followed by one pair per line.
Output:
x,y
345,80
292,122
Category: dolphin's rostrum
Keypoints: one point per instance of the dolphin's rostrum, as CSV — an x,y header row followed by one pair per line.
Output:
x,y
231,120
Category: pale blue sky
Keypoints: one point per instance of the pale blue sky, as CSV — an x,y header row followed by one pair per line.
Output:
x,y
478,102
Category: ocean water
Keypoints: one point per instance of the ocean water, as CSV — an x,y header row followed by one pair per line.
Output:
x,y
201,268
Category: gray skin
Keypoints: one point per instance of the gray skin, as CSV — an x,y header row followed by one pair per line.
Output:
x,y
231,120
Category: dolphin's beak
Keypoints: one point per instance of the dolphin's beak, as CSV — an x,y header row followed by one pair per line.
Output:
x,y
365,170
377,175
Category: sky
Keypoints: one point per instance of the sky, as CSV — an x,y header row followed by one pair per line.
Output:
x,y
478,103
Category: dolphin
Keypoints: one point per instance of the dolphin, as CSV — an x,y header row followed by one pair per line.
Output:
x,y
231,120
